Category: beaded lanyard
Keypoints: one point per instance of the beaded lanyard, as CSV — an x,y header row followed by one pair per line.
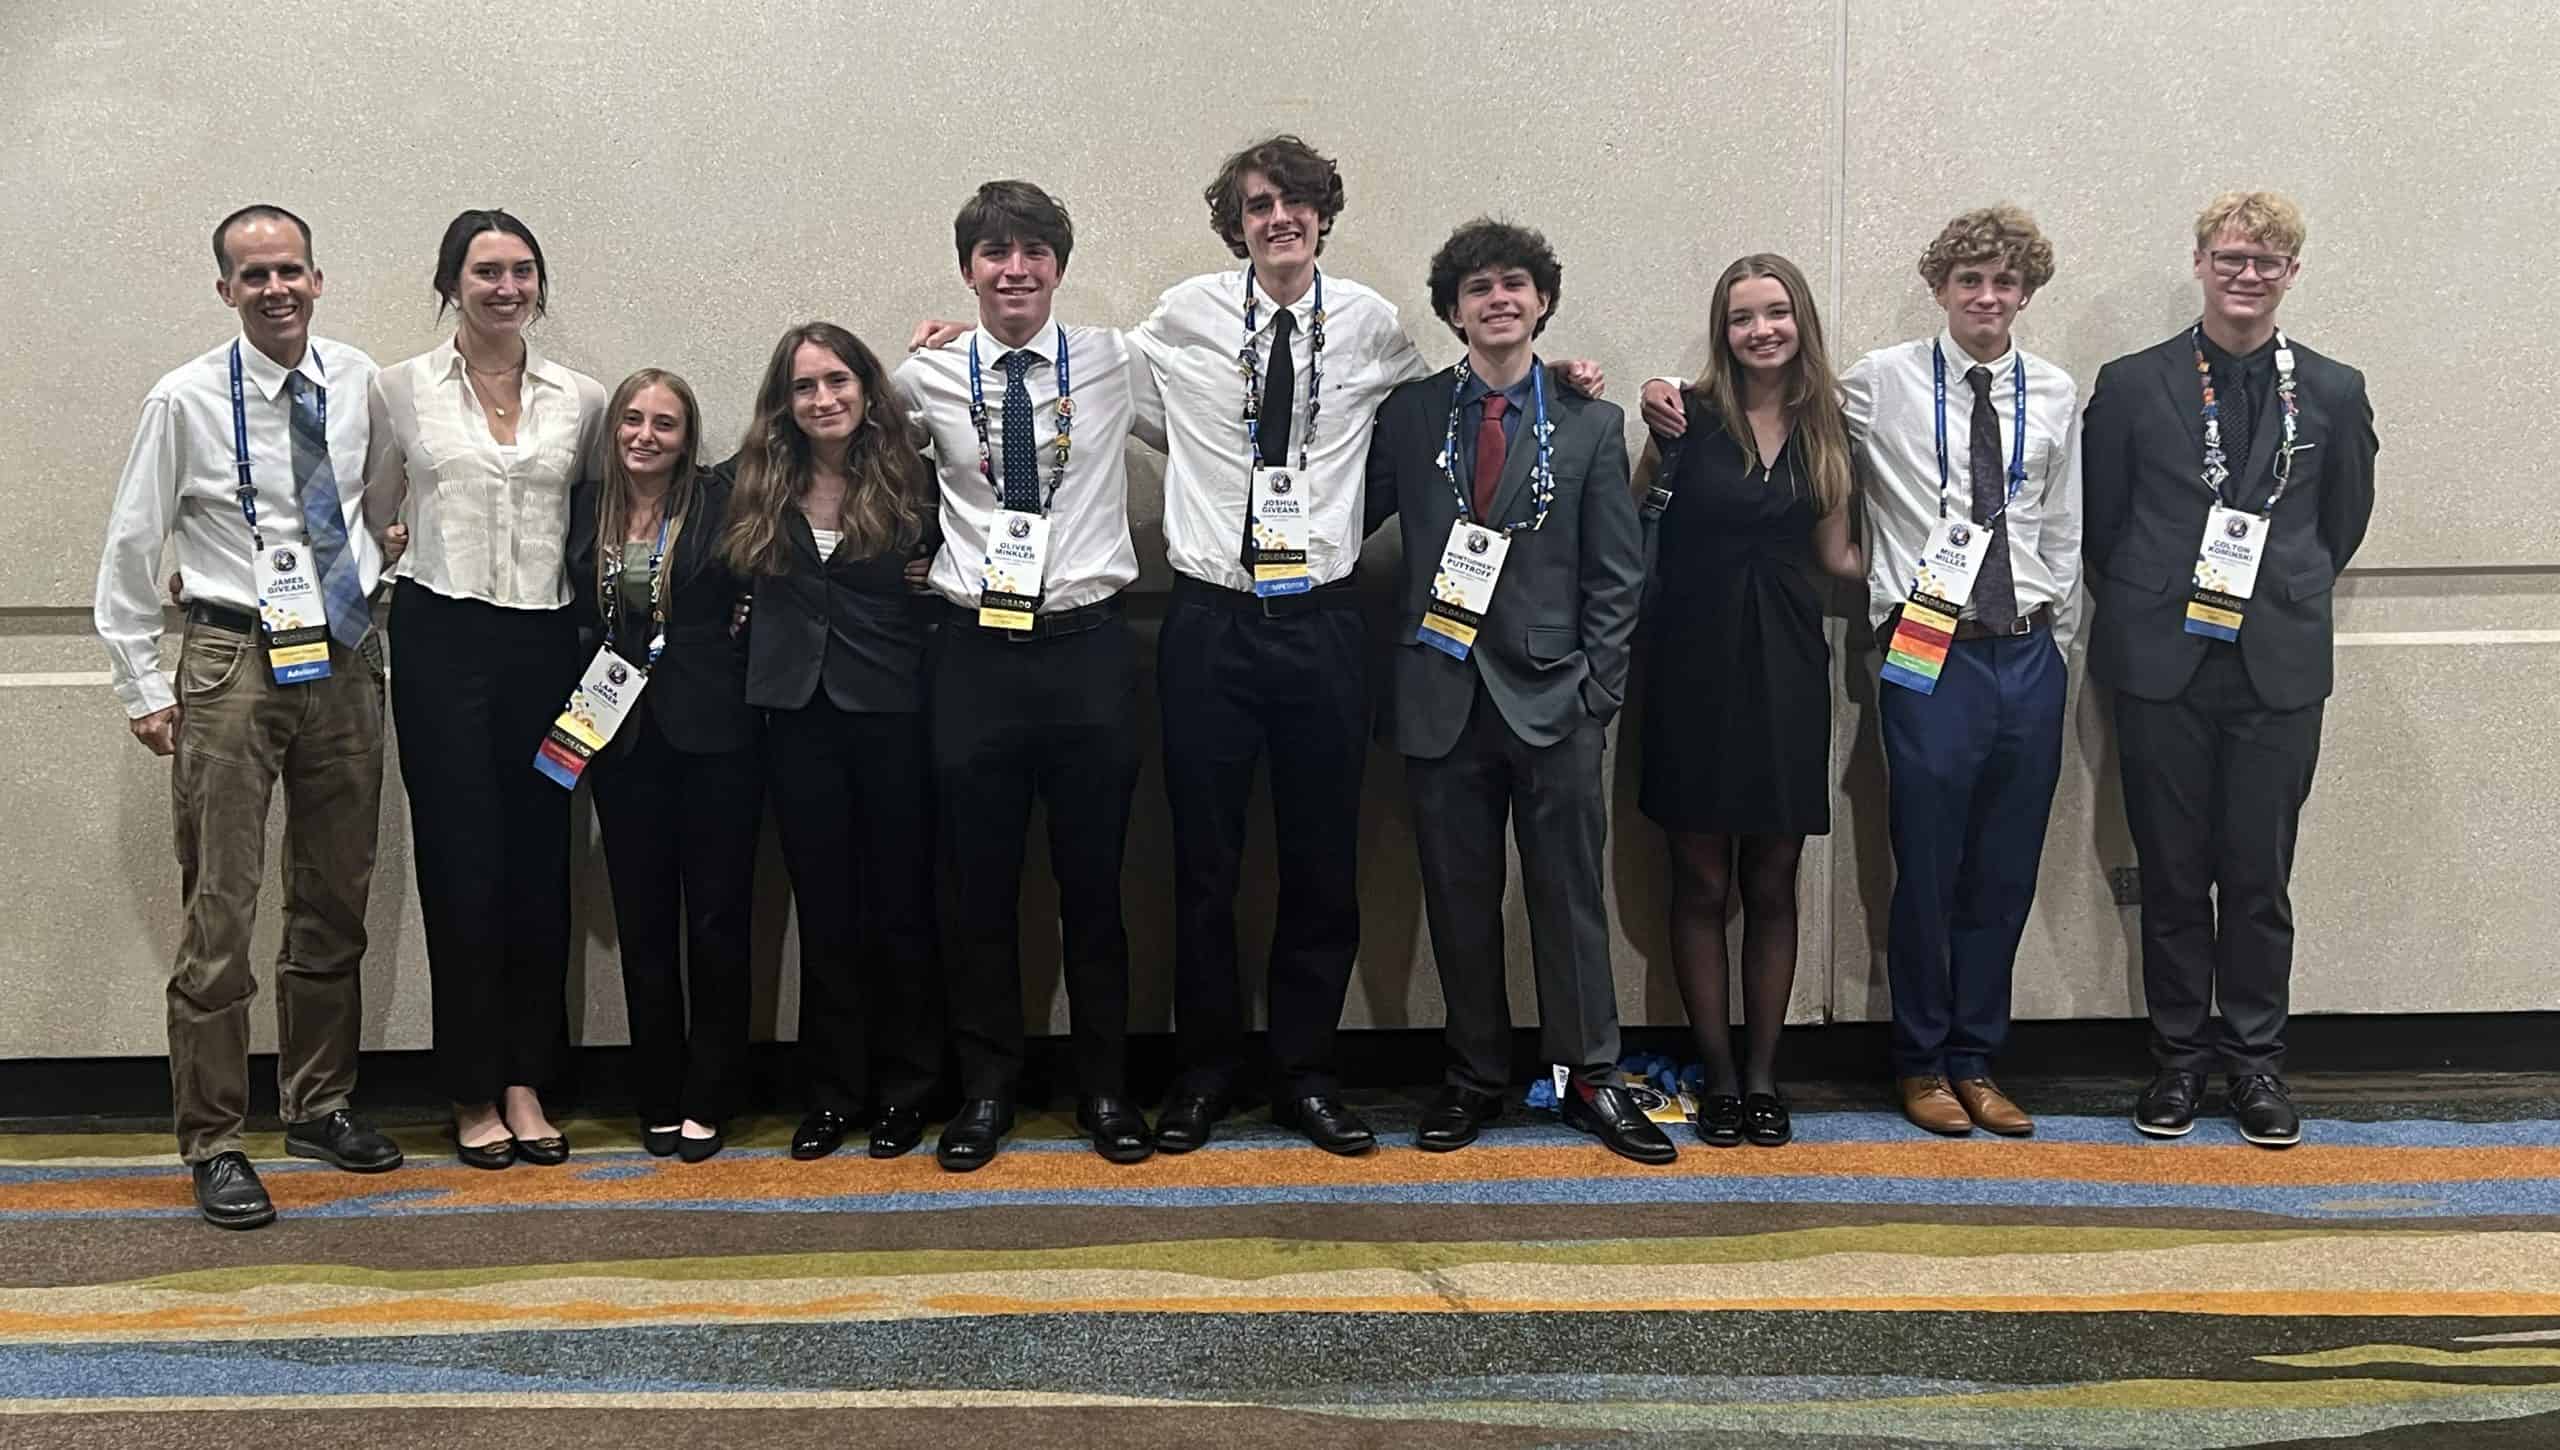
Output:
x,y
978,420
2217,471
1542,480
657,596
1251,367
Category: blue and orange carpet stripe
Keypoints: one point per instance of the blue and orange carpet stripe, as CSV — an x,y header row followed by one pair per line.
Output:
x,y
2388,1283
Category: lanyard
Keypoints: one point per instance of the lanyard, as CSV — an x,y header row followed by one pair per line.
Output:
x,y
978,419
1542,480
2017,449
657,595
2217,472
248,490
1251,367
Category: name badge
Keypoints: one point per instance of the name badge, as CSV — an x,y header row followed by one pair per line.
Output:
x,y
297,623
1017,559
1949,563
1278,500
596,709
2226,571
1462,590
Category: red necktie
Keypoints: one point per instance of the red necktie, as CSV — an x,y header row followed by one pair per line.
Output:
x,y
1489,454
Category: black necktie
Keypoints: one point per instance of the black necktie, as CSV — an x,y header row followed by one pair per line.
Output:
x,y
2236,419
1279,400
1995,593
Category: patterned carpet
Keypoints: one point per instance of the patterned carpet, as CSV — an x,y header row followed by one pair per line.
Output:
x,y
2393,1282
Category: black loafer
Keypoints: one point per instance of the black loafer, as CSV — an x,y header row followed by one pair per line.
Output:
x,y
975,1134
2167,1108
1720,1120
2265,1110
897,1132
1119,1131
548,1152
1187,1121
229,1194
1327,1123
695,1150
485,1155
341,1140
1454,1118
1765,1120
1606,1112
819,1134
661,1142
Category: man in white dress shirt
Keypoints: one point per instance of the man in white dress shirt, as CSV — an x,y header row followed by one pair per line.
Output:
x,y
1034,670
252,456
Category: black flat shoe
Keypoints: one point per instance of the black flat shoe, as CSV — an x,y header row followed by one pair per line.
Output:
x,y
548,1152
1606,1112
975,1134
819,1134
1119,1131
897,1133
229,1194
1765,1120
1454,1119
1188,1120
1720,1120
695,1150
485,1155
661,1142
1328,1124
342,1140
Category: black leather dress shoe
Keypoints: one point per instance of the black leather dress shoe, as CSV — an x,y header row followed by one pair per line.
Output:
x,y
897,1132
1765,1120
229,1194
1119,1131
697,1150
661,1142
340,1140
1720,1120
819,1134
972,1138
2167,1108
2265,1110
1187,1121
1327,1123
1606,1112
1454,1118
548,1152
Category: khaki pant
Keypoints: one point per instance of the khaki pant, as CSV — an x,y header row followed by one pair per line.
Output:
x,y
240,733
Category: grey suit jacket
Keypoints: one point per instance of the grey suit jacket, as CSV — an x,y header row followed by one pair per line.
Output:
x,y
1552,650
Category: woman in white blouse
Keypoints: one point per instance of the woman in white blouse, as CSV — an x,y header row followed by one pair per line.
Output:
x,y
476,447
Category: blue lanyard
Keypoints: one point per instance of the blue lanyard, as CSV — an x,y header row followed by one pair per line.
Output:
x,y
248,489
1542,479
1251,366
1066,423
657,606
2017,450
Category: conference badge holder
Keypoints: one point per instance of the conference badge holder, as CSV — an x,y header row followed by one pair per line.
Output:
x,y
596,709
296,622
1279,505
1462,590
1949,562
2235,541
1017,560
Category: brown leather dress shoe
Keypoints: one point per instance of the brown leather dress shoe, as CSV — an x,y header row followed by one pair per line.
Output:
x,y
1929,1103
1991,1109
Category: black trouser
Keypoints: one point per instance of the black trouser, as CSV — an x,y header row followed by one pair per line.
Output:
x,y
2214,783
474,687
1053,718
680,848
854,802
1233,683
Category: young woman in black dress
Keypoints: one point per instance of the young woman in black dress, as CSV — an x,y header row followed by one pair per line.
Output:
x,y
1737,719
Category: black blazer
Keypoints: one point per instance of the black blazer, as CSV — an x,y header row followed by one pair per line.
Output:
x,y
849,625
697,694
2143,452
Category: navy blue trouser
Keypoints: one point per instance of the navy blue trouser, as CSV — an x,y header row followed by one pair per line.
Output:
x,y
1971,771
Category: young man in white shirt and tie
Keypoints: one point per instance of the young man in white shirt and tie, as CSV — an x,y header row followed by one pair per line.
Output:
x,y
252,455
1971,451
1034,669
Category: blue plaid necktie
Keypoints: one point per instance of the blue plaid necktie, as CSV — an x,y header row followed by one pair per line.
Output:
x,y
1021,457
324,525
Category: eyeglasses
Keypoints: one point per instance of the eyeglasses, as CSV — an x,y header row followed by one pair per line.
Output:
x,y
2230,266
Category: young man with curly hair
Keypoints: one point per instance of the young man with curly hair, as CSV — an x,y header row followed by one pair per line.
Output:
x,y
2230,481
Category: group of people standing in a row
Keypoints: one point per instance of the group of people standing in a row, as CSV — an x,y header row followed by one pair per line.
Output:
x,y
897,612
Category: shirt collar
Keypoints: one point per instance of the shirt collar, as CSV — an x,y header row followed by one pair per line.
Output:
x,y
2215,353
268,376
446,362
1266,307
1960,362
1518,392
1043,344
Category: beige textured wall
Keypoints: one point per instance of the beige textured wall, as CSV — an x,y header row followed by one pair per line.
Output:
x,y
703,174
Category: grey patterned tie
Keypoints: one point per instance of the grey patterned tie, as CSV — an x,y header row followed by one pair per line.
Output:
x,y
1995,592
324,521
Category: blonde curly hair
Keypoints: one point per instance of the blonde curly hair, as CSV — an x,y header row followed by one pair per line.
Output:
x,y
2267,218
2004,233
